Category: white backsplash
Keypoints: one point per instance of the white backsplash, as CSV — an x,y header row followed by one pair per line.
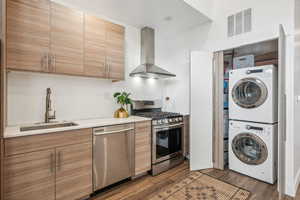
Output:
x,y
72,97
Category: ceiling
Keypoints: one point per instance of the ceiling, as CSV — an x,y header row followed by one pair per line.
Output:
x,y
166,16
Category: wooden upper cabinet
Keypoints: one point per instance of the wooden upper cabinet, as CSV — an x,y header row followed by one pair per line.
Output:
x,y
28,27
30,176
44,36
74,171
94,50
115,44
67,40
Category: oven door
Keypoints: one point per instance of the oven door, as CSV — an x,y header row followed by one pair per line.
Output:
x,y
167,142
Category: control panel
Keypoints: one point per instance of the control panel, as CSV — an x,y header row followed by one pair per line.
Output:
x,y
172,120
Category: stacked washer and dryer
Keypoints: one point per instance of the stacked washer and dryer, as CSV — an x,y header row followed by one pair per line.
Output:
x,y
253,122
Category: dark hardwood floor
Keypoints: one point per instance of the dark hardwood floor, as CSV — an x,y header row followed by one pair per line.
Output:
x,y
146,186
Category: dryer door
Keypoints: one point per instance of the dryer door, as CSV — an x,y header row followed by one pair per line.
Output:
x,y
249,93
249,149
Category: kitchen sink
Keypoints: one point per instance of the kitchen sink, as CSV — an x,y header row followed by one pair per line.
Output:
x,y
42,126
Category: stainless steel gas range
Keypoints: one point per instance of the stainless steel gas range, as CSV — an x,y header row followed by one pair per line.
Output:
x,y
167,134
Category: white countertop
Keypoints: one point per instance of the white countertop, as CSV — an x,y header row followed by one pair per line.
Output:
x,y
14,131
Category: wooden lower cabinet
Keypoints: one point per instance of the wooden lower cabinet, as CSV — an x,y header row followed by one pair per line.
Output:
x,y
74,171
60,171
30,176
142,147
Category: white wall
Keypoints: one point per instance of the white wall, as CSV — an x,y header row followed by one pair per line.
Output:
x,y
297,92
173,54
267,15
206,7
77,97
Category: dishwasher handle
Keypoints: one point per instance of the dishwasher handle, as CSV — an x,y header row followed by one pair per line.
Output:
x,y
103,132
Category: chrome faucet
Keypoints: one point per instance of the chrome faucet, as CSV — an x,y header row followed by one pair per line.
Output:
x,y
49,117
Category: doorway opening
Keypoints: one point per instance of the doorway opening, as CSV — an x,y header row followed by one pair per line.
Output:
x,y
246,109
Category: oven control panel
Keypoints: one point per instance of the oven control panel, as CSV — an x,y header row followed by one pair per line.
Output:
x,y
173,120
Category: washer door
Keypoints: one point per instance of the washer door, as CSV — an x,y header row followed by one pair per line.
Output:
x,y
249,149
249,93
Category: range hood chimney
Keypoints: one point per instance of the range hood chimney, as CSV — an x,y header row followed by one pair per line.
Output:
x,y
148,69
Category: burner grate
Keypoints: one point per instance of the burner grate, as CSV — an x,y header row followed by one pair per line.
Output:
x,y
158,115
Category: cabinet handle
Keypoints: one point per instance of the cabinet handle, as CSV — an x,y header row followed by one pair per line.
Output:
x,y
105,65
108,70
101,132
52,162
48,66
59,160
49,62
54,61
45,62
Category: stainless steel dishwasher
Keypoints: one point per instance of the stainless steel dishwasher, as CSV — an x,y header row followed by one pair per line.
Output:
x,y
113,155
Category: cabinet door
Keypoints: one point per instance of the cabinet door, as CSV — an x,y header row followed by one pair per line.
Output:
x,y
115,51
30,176
142,147
66,40
28,40
94,50
73,171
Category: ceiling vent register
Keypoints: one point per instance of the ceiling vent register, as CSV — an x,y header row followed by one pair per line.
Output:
x,y
240,23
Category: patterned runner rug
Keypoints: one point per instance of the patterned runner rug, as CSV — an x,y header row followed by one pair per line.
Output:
x,y
198,186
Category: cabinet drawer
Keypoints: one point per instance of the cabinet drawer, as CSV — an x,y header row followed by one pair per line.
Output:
x,y
33,143
143,126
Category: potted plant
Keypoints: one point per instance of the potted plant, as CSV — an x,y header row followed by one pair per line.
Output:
x,y
123,99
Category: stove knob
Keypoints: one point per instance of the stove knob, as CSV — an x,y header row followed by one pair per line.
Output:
x,y
161,121
170,120
166,120
177,119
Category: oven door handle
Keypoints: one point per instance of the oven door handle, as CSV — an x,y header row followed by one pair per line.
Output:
x,y
168,127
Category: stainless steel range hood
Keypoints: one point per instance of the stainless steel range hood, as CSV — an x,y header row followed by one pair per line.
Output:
x,y
148,69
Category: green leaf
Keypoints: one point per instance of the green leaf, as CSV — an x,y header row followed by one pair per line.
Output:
x,y
123,98
116,94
